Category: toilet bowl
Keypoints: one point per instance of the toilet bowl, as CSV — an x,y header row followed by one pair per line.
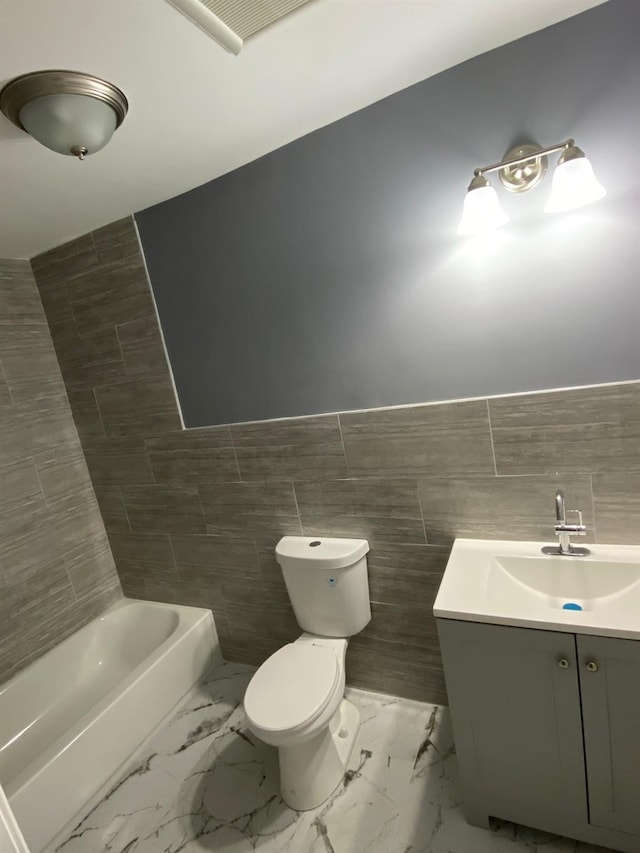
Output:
x,y
295,701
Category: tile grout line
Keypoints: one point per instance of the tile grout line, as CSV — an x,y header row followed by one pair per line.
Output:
x,y
235,455
493,449
255,548
65,283
35,468
40,302
147,458
94,485
593,508
424,526
66,568
73,313
100,415
204,515
295,498
173,555
344,449
4,378
124,507
95,400
122,359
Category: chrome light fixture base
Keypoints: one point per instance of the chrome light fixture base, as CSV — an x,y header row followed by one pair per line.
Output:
x,y
526,174
38,84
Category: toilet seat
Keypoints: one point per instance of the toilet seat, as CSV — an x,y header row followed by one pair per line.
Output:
x,y
292,687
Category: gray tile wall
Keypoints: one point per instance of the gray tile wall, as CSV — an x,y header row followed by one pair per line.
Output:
x,y
56,567
193,516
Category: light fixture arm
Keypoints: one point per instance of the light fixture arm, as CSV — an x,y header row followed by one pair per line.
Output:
x,y
514,161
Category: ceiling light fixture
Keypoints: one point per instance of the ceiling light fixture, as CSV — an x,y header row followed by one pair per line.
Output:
x,y
522,168
66,111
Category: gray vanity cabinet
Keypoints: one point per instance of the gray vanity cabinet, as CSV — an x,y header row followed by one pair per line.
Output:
x,y
515,706
610,686
547,729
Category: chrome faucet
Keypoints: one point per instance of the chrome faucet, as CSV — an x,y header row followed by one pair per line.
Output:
x,y
564,531
561,523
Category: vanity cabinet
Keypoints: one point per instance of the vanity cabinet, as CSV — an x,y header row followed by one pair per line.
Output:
x,y
610,691
547,729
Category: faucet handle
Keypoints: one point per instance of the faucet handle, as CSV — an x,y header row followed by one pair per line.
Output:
x,y
583,528
579,529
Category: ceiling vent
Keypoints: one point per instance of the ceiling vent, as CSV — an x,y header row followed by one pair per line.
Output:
x,y
201,15
231,21
247,17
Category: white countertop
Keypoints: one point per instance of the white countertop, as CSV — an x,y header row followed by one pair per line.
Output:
x,y
513,583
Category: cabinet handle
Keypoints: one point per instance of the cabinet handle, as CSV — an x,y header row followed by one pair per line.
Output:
x,y
563,663
592,666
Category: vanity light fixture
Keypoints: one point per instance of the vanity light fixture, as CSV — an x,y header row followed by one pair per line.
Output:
x,y
67,111
523,167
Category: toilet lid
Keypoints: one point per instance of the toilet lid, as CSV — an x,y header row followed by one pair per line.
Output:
x,y
292,687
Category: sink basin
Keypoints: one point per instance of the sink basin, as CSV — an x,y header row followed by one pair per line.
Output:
x,y
513,583
561,580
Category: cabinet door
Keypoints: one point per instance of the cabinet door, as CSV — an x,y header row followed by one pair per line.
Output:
x,y
515,707
611,716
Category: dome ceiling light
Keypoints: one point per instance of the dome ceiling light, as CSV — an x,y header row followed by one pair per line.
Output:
x,y
67,111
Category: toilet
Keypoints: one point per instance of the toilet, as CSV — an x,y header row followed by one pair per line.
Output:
x,y
295,700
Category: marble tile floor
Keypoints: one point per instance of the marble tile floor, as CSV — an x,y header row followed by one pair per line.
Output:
x,y
203,782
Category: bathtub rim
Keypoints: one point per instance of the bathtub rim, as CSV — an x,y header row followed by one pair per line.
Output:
x,y
188,621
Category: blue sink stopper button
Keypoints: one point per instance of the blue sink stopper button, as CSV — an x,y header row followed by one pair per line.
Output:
x,y
332,582
571,605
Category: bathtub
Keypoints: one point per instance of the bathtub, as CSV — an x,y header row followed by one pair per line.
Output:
x,y
69,720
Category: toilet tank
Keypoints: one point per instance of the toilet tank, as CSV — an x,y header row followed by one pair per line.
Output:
x,y
327,583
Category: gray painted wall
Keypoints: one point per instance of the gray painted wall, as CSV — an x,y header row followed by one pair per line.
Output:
x,y
327,275
193,516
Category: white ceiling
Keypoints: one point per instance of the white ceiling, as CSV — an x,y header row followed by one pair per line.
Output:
x,y
197,112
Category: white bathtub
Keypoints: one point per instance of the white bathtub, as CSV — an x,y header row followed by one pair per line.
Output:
x,y
68,721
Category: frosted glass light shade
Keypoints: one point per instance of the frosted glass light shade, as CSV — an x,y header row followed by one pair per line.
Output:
x,y
62,122
574,185
481,212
